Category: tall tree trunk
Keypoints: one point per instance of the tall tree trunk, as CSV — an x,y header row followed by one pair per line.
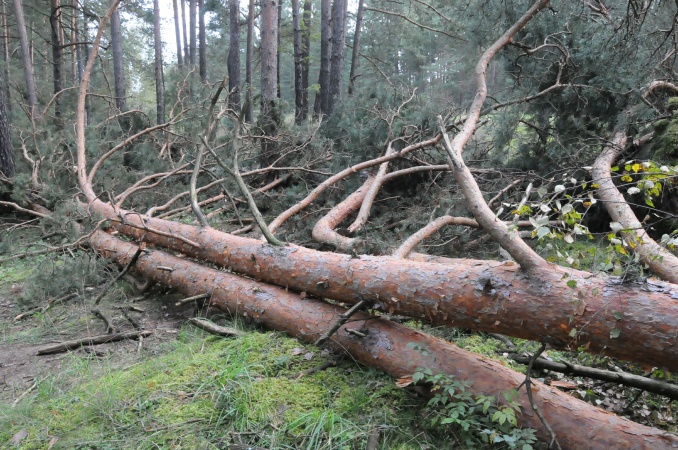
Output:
x,y
159,76
202,42
269,81
187,59
306,57
57,57
321,99
118,65
77,37
6,150
192,32
338,46
355,57
5,58
26,60
177,32
278,93
85,56
248,63
234,55
298,88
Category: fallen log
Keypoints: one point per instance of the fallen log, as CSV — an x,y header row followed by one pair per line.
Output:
x,y
91,340
571,308
390,347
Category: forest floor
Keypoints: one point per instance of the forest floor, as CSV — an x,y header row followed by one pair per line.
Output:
x,y
182,388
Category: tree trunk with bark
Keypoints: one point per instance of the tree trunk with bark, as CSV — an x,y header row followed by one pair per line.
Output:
x,y
26,60
306,56
298,85
57,58
234,55
192,30
159,75
339,14
7,167
269,83
118,64
202,42
187,60
177,32
4,43
355,57
320,106
248,63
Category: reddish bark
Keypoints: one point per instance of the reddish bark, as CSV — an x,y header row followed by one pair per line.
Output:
x,y
482,295
390,347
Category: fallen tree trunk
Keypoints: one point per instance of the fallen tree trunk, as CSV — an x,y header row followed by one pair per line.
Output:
x,y
392,348
570,308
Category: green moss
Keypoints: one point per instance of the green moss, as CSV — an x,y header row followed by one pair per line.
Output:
x,y
672,103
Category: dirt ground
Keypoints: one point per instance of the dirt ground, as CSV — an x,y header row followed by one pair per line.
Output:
x,y
20,340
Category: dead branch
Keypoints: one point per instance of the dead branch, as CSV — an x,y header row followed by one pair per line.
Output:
x,y
192,299
658,387
136,187
24,210
312,370
107,321
657,85
122,273
340,321
659,260
432,227
213,328
92,340
154,231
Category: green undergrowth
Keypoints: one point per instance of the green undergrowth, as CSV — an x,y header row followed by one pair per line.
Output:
x,y
206,392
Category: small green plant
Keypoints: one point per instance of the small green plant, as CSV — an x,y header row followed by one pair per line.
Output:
x,y
479,419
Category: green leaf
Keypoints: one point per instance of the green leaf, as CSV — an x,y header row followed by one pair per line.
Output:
x,y
617,315
572,284
573,332
614,333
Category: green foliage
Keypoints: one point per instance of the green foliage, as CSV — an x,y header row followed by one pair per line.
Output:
x,y
476,419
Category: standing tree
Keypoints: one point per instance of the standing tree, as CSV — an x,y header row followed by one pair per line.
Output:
x,y
192,32
355,61
248,62
269,81
118,67
298,84
234,55
321,104
4,42
177,32
306,57
6,151
26,61
159,76
57,56
183,28
337,63
202,57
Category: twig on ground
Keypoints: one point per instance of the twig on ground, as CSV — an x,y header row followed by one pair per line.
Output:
x,y
193,298
312,370
25,393
122,273
213,328
92,340
107,322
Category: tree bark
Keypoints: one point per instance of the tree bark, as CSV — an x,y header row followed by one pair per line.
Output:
x,y
298,85
202,42
118,65
390,347
234,55
248,63
26,60
338,45
159,76
177,33
57,58
269,81
355,56
7,167
4,42
659,260
306,57
192,30
320,105
278,78
187,60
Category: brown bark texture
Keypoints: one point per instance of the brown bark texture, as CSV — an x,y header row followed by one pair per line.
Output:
x,y
202,42
57,56
320,106
481,295
269,80
118,67
248,62
177,33
234,55
298,85
390,347
355,57
339,13
159,75
26,61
